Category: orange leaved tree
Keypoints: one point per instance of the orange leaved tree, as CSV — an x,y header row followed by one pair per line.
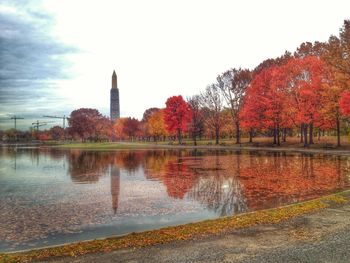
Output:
x,y
177,115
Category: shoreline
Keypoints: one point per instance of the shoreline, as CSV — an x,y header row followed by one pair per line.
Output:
x,y
191,231
115,146
139,146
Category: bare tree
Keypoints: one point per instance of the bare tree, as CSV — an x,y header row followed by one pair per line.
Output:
x,y
211,101
233,84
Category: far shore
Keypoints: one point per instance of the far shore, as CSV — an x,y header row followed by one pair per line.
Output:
x,y
323,147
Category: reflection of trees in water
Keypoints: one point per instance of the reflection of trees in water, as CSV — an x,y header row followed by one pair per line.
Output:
x,y
232,183
226,183
35,154
178,179
278,178
129,160
198,176
222,195
170,167
88,166
217,188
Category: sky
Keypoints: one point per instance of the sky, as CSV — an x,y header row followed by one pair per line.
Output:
x,y
59,55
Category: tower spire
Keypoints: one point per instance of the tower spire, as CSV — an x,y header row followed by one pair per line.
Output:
x,y
114,80
114,99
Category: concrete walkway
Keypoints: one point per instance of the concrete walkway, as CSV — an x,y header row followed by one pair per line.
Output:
x,y
320,237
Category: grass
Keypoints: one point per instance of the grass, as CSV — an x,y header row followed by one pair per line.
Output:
x,y
182,232
325,144
105,146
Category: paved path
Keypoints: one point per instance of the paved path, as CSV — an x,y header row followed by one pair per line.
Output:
x,y
320,237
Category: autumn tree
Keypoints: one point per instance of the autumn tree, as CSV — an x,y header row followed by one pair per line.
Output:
x,y
104,129
316,49
118,129
337,56
272,62
212,104
131,127
177,115
197,123
57,133
144,125
265,103
156,125
305,82
338,50
148,113
233,84
345,103
88,123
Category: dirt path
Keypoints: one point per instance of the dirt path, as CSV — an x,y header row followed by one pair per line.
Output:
x,y
320,237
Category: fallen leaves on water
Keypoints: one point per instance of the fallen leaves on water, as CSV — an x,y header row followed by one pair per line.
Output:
x,y
183,232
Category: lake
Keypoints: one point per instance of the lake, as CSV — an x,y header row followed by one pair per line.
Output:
x,y
50,197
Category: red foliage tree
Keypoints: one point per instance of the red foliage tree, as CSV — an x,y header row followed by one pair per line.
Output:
x,y
131,127
177,115
305,79
265,104
345,103
57,133
89,124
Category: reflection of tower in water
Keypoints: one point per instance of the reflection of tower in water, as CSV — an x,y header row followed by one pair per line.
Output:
x,y
115,186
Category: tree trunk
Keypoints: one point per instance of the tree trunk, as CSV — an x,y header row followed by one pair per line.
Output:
x,y
194,135
217,134
311,133
305,135
238,133
301,133
338,131
275,135
284,134
179,136
278,135
251,135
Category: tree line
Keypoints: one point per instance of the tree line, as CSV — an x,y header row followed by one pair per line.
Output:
x,y
304,93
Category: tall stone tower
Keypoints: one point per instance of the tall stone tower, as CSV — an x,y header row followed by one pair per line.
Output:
x,y
115,106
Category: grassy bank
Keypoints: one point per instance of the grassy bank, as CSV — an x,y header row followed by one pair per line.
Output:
x,y
108,146
325,143
105,146
182,232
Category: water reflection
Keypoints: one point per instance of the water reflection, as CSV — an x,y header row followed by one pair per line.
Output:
x,y
115,187
73,192
225,182
88,166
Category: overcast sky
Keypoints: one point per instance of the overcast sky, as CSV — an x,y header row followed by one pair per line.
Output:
x,y
59,55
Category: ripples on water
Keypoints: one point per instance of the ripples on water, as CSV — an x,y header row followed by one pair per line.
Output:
x,y
51,197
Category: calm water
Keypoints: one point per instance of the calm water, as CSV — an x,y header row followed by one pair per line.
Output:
x,y
50,197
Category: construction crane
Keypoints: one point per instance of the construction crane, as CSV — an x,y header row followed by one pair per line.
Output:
x,y
15,118
64,123
59,117
38,124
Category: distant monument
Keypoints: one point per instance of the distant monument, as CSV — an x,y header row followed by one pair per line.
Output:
x,y
115,106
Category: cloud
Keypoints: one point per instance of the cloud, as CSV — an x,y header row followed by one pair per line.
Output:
x,y
31,60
